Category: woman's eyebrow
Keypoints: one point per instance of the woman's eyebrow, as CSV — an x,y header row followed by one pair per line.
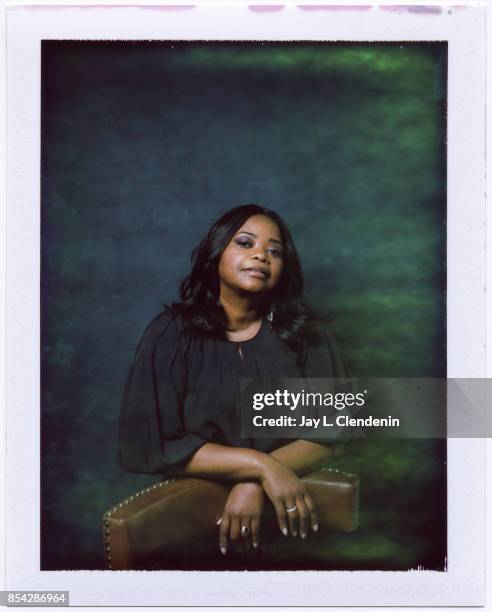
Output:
x,y
255,236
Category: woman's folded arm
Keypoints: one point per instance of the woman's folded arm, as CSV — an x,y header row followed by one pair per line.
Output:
x,y
216,461
283,487
219,462
303,456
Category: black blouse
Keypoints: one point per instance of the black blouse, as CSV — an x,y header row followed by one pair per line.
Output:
x,y
182,391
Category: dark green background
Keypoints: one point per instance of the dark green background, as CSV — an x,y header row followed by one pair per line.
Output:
x,y
143,146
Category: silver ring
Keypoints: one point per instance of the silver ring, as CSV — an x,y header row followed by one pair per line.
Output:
x,y
244,530
291,509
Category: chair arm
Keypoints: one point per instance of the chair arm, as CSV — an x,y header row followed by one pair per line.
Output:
x,y
168,515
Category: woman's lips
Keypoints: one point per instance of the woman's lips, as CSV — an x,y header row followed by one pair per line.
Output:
x,y
256,272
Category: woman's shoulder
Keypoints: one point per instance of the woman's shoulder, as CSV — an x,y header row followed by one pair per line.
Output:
x,y
324,353
319,333
168,323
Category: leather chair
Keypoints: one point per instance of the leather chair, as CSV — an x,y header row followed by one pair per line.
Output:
x,y
171,525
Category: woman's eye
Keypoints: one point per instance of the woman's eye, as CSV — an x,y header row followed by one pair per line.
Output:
x,y
243,242
246,243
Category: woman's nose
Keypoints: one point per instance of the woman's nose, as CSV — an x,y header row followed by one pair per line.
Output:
x,y
261,255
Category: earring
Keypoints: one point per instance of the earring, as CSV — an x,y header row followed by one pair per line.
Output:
x,y
270,316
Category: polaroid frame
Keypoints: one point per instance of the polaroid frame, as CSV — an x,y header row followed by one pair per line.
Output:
x,y
464,29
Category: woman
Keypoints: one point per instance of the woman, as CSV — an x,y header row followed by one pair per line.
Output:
x,y
241,316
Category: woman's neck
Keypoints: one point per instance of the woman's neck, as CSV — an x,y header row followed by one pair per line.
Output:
x,y
242,313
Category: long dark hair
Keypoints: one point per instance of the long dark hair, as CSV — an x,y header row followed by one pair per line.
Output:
x,y
200,307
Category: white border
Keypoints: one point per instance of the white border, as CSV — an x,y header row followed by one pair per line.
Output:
x,y
463,584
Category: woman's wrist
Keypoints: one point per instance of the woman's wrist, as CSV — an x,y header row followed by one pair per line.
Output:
x,y
260,465
269,465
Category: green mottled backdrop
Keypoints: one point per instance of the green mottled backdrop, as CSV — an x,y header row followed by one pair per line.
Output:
x,y
143,146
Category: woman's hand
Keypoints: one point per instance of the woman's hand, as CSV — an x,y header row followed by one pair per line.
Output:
x,y
240,520
293,504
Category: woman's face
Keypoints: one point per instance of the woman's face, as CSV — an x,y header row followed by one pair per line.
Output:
x,y
252,262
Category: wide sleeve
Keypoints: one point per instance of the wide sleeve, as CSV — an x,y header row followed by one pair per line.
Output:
x,y
324,359
152,437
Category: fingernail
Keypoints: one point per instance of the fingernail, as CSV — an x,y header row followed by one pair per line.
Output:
x,y
223,550
284,531
219,521
315,527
